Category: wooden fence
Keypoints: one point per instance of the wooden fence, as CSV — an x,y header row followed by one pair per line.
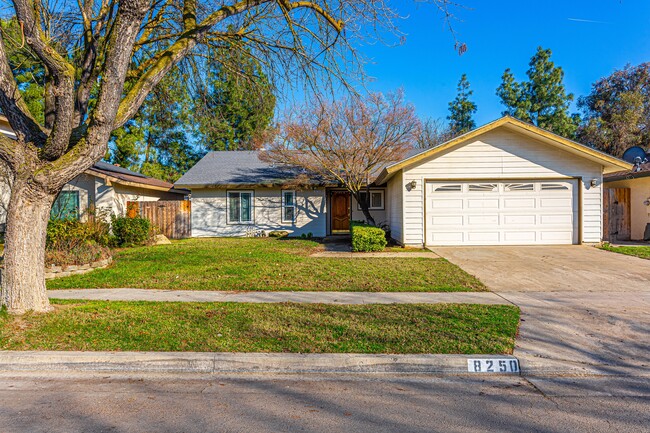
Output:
x,y
617,223
172,217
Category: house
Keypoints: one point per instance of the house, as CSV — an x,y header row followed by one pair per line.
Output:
x,y
105,186
505,183
637,183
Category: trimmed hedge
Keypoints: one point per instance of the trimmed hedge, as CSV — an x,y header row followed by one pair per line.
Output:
x,y
131,231
367,238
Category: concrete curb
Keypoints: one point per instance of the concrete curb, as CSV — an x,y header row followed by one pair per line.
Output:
x,y
203,362
544,367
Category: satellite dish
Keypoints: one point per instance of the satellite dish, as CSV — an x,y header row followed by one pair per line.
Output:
x,y
634,155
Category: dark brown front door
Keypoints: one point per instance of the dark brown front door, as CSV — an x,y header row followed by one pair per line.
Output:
x,y
340,211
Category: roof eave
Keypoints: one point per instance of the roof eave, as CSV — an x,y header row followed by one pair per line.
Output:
x,y
119,181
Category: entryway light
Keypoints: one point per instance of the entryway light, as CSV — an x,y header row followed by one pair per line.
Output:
x,y
413,184
594,182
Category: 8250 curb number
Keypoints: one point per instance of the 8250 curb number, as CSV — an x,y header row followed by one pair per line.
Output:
x,y
495,365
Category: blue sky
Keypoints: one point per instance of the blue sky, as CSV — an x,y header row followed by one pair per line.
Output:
x,y
589,40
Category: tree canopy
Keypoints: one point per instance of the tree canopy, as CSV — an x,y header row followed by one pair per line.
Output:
x,y
542,99
462,109
347,141
616,113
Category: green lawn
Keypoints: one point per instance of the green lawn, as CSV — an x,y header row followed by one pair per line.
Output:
x,y
642,252
267,264
232,327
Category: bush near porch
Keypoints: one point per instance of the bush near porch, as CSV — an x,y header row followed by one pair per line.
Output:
x,y
367,238
267,264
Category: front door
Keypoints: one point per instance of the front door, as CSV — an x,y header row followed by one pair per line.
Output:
x,y
340,203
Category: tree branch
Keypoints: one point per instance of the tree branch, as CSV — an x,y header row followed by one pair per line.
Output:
x,y
13,105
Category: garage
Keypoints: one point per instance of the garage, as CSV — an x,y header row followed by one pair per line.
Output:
x,y
497,212
505,183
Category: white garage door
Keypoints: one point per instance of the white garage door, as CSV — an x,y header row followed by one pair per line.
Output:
x,y
501,213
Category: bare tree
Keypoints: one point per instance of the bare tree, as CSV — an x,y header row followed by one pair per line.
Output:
x,y
348,141
101,58
433,133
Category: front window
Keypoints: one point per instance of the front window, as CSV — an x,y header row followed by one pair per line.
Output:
x,y
288,206
376,199
66,206
240,207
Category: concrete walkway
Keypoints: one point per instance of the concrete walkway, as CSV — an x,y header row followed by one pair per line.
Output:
x,y
579,304
273,297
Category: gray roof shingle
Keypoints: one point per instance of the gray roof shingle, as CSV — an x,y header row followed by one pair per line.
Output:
x,y
238,168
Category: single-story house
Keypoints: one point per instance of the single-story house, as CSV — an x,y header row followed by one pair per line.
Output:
x,y
637,180
505,183
105,186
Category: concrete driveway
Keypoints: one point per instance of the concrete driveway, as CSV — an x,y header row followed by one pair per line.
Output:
x,y
581,307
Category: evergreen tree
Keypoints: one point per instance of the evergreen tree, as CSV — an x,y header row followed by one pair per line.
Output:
x,y
542,100
237,103
461,109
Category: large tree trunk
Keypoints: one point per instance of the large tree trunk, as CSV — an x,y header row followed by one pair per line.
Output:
x,y
23,276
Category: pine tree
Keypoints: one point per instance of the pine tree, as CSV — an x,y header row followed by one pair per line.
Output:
x,y
542,100
461,109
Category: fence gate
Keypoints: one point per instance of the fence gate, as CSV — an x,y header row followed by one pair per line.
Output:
x,y
172,217
617,223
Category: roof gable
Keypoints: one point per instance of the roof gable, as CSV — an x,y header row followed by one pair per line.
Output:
x,y
609,162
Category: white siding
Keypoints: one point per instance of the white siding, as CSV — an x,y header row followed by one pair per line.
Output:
x,y
501,154
209,213
394,196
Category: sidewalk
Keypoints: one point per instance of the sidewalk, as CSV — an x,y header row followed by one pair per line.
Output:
x,y
487,298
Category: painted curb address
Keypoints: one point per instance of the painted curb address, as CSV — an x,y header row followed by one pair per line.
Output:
x,y
203,362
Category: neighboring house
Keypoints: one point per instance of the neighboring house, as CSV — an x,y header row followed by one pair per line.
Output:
x,y
638,181
105,186
505,183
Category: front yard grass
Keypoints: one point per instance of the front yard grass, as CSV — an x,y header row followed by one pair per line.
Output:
x,y
233,327
267,264
638,251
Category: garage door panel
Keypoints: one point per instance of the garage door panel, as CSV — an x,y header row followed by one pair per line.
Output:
x,y
520,237
489,219
482,203
519,219
483,237
555,219
452,220
519,203
447,238
443,203
490,212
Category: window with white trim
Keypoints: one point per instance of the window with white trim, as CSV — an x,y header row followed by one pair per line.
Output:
x,y
240,207
376,199
288,206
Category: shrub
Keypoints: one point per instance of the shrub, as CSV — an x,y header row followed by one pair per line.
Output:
x,y
73,242
367,238
278,233
131,231
81,254
69,233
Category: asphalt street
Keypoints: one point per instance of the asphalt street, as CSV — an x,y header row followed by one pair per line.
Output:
x,y
38,402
